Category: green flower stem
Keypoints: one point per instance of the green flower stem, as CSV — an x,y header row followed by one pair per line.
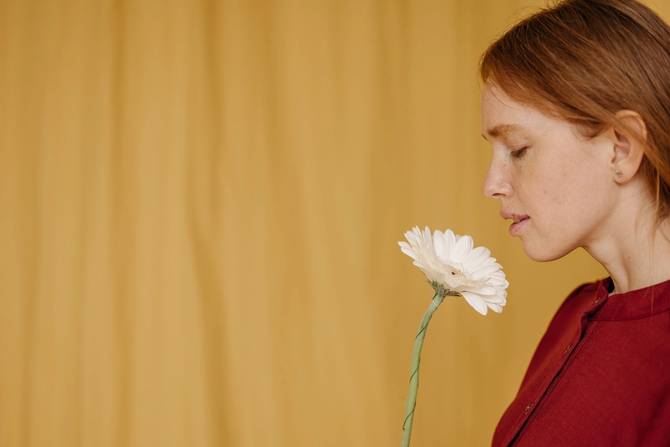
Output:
x,y
414,368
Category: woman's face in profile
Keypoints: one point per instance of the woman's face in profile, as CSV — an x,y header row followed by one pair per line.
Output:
x,y
542,168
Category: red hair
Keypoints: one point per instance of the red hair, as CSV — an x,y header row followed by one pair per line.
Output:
x,y
585,60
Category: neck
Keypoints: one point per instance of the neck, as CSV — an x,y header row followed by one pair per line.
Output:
x,y
636,255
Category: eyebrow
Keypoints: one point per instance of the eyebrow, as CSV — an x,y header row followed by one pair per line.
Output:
x,y
501,129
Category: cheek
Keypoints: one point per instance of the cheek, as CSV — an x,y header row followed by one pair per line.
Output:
x,y
557,179
555,199
544,192
564,199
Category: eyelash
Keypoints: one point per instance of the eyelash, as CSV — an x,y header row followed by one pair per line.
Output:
x,y
519,153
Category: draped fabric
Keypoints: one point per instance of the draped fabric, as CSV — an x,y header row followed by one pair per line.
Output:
x,y
201,203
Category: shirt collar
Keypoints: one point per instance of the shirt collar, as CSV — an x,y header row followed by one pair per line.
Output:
x,y
631,305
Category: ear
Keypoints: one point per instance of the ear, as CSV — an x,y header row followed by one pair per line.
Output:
x,y
629,142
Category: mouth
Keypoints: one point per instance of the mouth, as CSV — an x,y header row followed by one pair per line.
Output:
x,y
519,222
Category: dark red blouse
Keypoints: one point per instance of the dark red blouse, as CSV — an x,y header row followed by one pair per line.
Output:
x,y
600,375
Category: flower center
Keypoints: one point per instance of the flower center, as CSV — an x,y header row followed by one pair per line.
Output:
x,y
455,272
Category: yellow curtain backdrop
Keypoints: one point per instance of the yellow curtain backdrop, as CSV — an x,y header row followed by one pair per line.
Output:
x,y
201,203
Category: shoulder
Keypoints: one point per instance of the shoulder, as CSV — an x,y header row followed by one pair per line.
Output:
x,y
563,328
578,302
587,289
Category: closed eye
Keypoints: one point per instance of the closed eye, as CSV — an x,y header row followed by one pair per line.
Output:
x,y
519,153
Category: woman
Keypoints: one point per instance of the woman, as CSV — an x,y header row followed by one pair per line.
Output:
x,y
576,106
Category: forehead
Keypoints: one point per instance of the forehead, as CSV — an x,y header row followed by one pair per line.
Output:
x,y
502,116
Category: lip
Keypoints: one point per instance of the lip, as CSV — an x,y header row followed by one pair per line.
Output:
x,y
514,216
517,227
519,221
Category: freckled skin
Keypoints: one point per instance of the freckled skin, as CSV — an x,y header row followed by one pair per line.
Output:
x,y
563,181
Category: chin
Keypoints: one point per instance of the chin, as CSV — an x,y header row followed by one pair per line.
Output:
x,y
544,253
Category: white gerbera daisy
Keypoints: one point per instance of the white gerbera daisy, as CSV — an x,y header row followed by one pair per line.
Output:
x,y
454,268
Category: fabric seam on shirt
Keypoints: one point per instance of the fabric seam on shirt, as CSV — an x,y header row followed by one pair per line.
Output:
x,y
631,318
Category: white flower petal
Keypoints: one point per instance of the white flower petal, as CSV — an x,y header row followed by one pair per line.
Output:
x,y
407,249
460,249
478,258
488,269
481,252
441,246
496,307
451,240
487,290
475,301
427,237
497,299
451,261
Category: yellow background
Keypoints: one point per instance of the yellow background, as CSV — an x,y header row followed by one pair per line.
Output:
x,y
201,203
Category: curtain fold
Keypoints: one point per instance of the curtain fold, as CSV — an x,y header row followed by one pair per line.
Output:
x,y
201,207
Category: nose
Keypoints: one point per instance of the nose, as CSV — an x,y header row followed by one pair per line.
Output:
x,y
497,184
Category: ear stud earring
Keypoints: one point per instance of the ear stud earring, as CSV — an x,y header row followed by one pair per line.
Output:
x,y
618,173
